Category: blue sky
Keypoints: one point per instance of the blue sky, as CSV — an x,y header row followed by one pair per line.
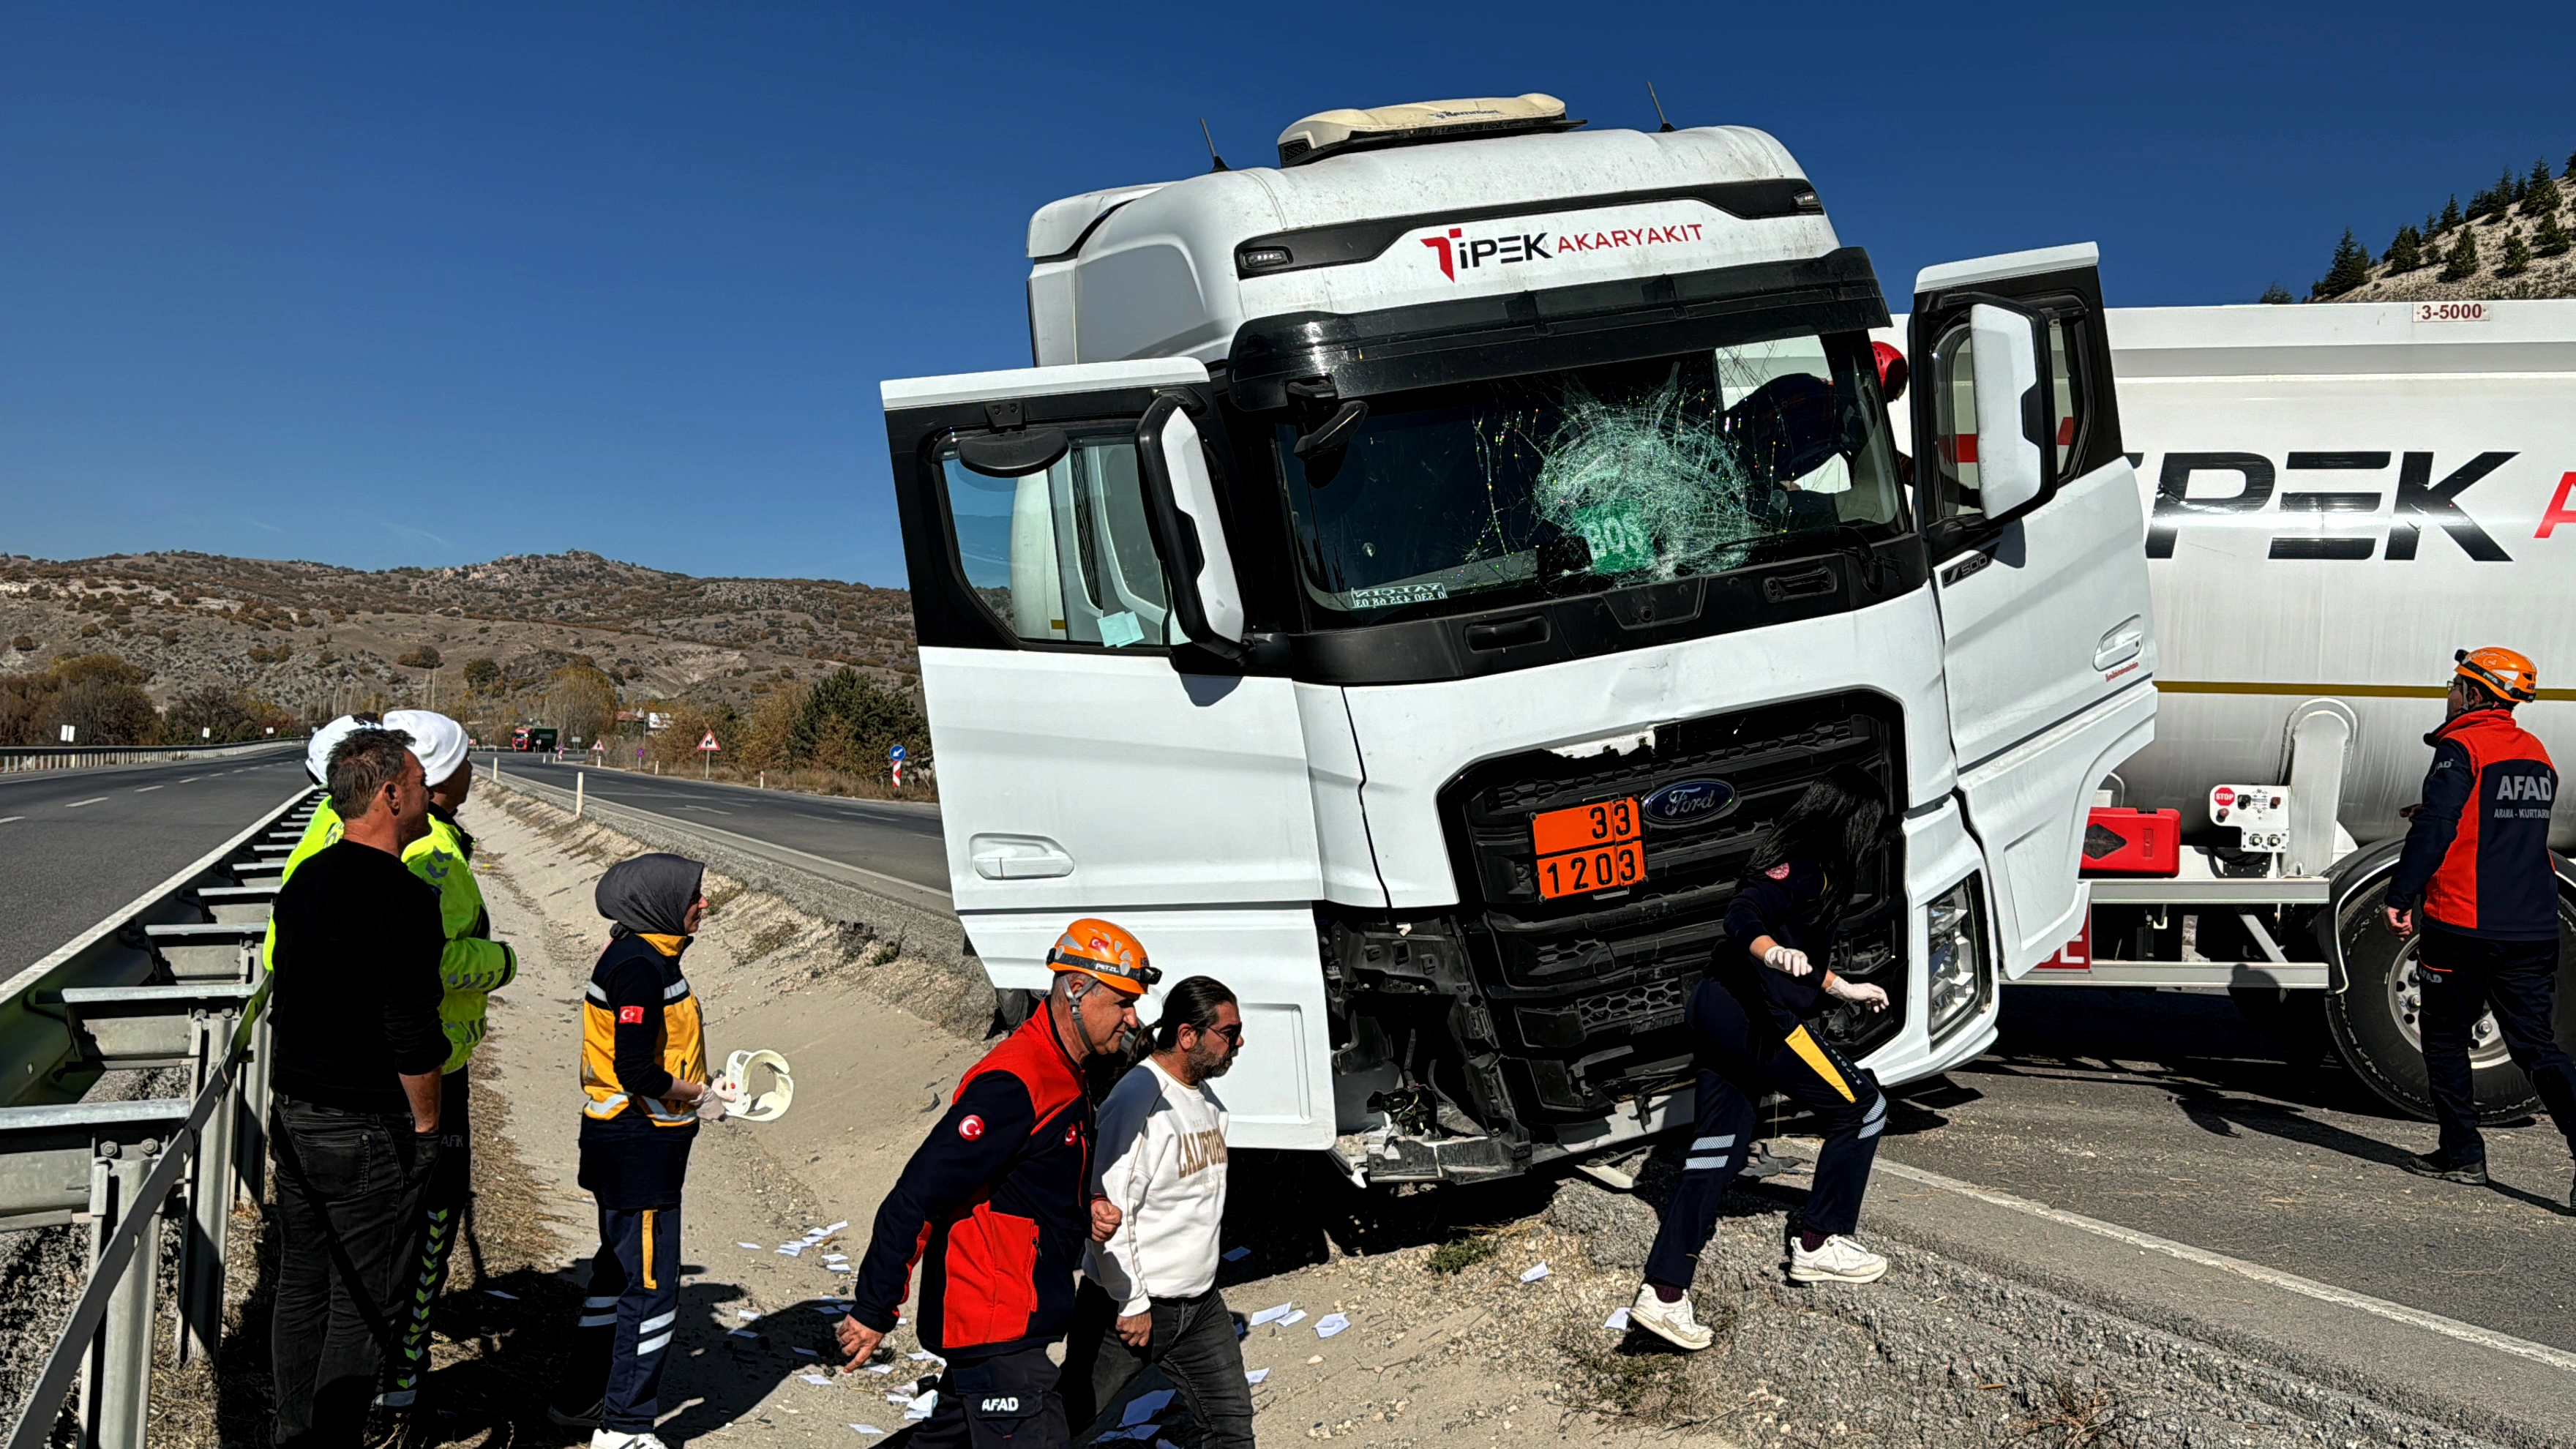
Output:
x,y
385,285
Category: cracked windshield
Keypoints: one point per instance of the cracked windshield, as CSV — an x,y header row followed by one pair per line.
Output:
x,y
1602,477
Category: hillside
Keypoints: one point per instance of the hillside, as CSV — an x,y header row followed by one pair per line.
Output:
x,y
313,639
2515,239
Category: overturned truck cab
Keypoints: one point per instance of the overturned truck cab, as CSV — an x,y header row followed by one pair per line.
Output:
x,y
1413,576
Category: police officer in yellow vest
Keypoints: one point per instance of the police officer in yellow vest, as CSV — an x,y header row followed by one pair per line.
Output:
x,y
470,967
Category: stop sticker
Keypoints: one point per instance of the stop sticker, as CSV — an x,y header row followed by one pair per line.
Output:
x,y
2224,796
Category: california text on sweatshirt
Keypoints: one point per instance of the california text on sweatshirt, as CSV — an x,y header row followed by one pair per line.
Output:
x,y
1161,1159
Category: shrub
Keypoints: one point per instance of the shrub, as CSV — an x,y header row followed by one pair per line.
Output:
x,y
2406,253
424,657
2517,256
2277,295
2549,239
2463,263
2351,268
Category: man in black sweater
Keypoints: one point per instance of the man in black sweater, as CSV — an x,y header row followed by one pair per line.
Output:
x,y
357,1051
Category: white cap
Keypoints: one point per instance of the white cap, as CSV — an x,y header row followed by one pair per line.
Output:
x,y
438,741
317,754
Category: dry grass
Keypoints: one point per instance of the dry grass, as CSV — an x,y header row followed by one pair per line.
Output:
x,y
1459,1254
1648,1384
2071,1418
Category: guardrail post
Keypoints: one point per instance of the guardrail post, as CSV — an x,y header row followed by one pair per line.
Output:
x,y
116,1389
210,1199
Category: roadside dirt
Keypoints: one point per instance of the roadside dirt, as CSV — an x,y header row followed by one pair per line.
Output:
x,y
1453,1338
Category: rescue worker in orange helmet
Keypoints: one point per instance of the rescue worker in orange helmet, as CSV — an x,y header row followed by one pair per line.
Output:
x,y
996,1204
2477,865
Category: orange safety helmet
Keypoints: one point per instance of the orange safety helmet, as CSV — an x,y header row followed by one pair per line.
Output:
x,y
2504,673
1106,953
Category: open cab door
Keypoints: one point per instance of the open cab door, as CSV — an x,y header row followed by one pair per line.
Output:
x,y
1098,751
2037,538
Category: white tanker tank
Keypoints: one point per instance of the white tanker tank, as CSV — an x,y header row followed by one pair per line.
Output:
x,y
2339,497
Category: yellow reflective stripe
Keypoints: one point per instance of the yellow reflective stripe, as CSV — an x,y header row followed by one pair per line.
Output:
x,y
1816,1060
648,1250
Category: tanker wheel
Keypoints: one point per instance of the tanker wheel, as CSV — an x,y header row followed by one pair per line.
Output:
x,y
2374,1019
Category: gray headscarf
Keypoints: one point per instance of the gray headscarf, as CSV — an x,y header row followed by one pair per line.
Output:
x,y
651,894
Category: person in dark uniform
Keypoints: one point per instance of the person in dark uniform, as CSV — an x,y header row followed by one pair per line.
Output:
x,y
1750,1023
996,1205
2477,865
645,1089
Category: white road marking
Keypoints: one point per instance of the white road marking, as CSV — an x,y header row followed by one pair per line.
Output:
x,y
10,819
709,809
76,804
192,779
2288,1282
146,789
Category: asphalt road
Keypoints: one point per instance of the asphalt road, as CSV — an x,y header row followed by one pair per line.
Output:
x,y
2165,1113
890,838
79,844
2157,1111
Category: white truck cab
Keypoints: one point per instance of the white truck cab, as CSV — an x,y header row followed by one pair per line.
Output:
x,y
1414,575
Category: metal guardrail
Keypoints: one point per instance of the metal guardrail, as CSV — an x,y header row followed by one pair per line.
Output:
x,y
16,759
144,988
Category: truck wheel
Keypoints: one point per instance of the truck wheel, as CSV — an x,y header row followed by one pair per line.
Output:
x,y
2374,1019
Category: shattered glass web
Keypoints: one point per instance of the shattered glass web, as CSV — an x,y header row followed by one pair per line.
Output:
x,y
1665,470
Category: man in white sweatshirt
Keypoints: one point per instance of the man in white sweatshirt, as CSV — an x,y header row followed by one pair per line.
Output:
x,y
1149,1294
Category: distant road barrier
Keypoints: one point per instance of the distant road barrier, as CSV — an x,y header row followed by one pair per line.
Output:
x,y
15,759
170,981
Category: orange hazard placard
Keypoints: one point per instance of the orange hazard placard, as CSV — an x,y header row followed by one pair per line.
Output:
x,y
1588,848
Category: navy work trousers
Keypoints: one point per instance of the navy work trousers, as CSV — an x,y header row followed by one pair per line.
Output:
x,y
628,1320
997,1401
2466,977
1739,1061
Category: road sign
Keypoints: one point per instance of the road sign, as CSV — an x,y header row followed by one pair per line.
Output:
x,y
896,753
709,743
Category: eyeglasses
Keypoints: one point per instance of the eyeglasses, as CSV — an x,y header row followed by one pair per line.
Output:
x,y
1233,1034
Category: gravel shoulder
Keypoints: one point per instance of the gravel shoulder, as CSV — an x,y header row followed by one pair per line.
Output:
x,y
1446,1344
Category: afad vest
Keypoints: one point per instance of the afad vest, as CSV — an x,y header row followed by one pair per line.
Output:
x,y
2497,878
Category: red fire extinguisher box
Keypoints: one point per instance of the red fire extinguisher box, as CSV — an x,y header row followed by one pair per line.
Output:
x,y
2133,842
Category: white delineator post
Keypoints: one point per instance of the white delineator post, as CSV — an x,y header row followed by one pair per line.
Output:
x,y
580,785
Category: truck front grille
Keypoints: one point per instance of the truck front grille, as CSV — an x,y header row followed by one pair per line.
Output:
x,y
1585,994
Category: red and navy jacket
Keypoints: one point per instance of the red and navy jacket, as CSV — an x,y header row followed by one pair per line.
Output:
x,y
994,1206
2477,857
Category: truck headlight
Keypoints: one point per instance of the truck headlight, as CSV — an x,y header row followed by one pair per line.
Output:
x,y
1955,957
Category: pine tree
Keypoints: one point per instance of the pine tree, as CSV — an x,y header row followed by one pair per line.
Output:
x,y
2508,190
2450,215
2406,253
2517,257
2350,269
2550,238
2277,295
2464,259
2539,194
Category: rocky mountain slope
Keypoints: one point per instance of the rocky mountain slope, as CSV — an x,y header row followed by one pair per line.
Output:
x,y
314,639
2513,241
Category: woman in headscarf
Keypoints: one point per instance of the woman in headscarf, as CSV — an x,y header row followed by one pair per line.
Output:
x,y
644,1073
1768,979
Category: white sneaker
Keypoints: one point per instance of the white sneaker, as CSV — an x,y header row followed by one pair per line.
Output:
x,y
1672,1322
613,1439
1840,1260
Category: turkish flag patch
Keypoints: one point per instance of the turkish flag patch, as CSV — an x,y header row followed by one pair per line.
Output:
x,y
1778,872
630,1016
971,1127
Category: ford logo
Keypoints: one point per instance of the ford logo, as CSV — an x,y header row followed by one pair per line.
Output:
x,y
1687,802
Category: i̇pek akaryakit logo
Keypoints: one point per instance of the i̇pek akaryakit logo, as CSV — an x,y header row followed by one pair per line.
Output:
x,y
1458,252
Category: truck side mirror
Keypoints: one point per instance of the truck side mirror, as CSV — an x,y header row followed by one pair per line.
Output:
x,y
2012,414
1180,509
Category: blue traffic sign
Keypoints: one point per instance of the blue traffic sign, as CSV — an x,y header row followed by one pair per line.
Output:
x,y
895,754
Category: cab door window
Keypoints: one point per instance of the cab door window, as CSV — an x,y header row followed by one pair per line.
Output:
x,y
1954,416
1063,556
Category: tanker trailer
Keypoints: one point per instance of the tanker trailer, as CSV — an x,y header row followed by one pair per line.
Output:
x,y
2338,497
